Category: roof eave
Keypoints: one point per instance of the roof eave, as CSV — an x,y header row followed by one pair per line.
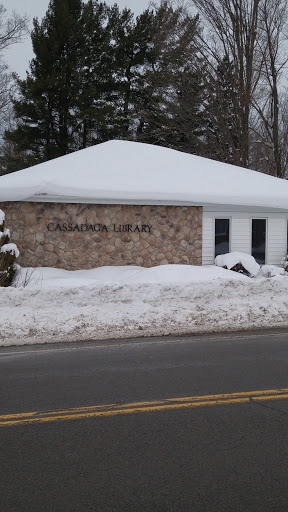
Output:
x,y
46,198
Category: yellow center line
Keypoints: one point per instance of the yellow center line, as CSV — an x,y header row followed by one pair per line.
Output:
x,y
134,407
45,413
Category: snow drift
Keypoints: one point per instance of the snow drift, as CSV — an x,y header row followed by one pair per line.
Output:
x,y
124,302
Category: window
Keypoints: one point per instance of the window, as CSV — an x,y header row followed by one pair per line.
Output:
x,y
222,235
259,240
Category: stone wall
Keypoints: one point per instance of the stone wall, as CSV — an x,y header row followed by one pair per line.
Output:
x,y
74,236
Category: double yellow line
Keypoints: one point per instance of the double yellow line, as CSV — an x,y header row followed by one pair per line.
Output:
x,y
134,407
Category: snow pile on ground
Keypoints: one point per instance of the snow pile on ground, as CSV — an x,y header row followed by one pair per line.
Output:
x,y
57,305
165,274
271,271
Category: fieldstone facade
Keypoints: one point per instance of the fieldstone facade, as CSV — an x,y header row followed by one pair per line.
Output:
x,y
74,236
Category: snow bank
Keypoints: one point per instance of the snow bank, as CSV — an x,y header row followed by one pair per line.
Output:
x,y
124,302
271,271
164,274
2,217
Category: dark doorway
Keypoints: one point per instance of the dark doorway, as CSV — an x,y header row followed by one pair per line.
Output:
x,y
259,240
222,236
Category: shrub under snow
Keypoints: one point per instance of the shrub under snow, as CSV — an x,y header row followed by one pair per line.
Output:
x,y
232,260
8,254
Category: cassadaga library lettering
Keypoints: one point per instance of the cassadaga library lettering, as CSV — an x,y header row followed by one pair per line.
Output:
x,y
83,235
100,228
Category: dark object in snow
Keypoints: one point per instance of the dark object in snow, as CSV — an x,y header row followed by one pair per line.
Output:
x,y
7,268
285,263
240,269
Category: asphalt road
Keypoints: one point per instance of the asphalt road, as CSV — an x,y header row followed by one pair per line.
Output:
x,y
148,451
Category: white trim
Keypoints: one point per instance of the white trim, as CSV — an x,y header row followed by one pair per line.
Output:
x,y
241,209
88,200
45,198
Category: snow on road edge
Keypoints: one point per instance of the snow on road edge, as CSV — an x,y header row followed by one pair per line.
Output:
x,y
119,310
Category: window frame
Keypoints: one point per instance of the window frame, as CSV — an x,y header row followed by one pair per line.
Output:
x,y
222,217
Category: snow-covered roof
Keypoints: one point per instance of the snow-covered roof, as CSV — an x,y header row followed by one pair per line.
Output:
x,y
136,173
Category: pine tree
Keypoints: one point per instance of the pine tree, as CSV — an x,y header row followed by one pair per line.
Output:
x,y
130,60
47,124
96,109
222,115
171,104
101,74
73,95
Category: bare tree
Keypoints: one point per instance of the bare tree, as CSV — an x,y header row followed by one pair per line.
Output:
x,y
270,130
12,29
243,46
231,35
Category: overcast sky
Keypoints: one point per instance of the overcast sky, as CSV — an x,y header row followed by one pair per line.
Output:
x,y
18,56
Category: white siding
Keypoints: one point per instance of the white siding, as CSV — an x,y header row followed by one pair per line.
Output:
x,y
277,240
240,232
207,240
